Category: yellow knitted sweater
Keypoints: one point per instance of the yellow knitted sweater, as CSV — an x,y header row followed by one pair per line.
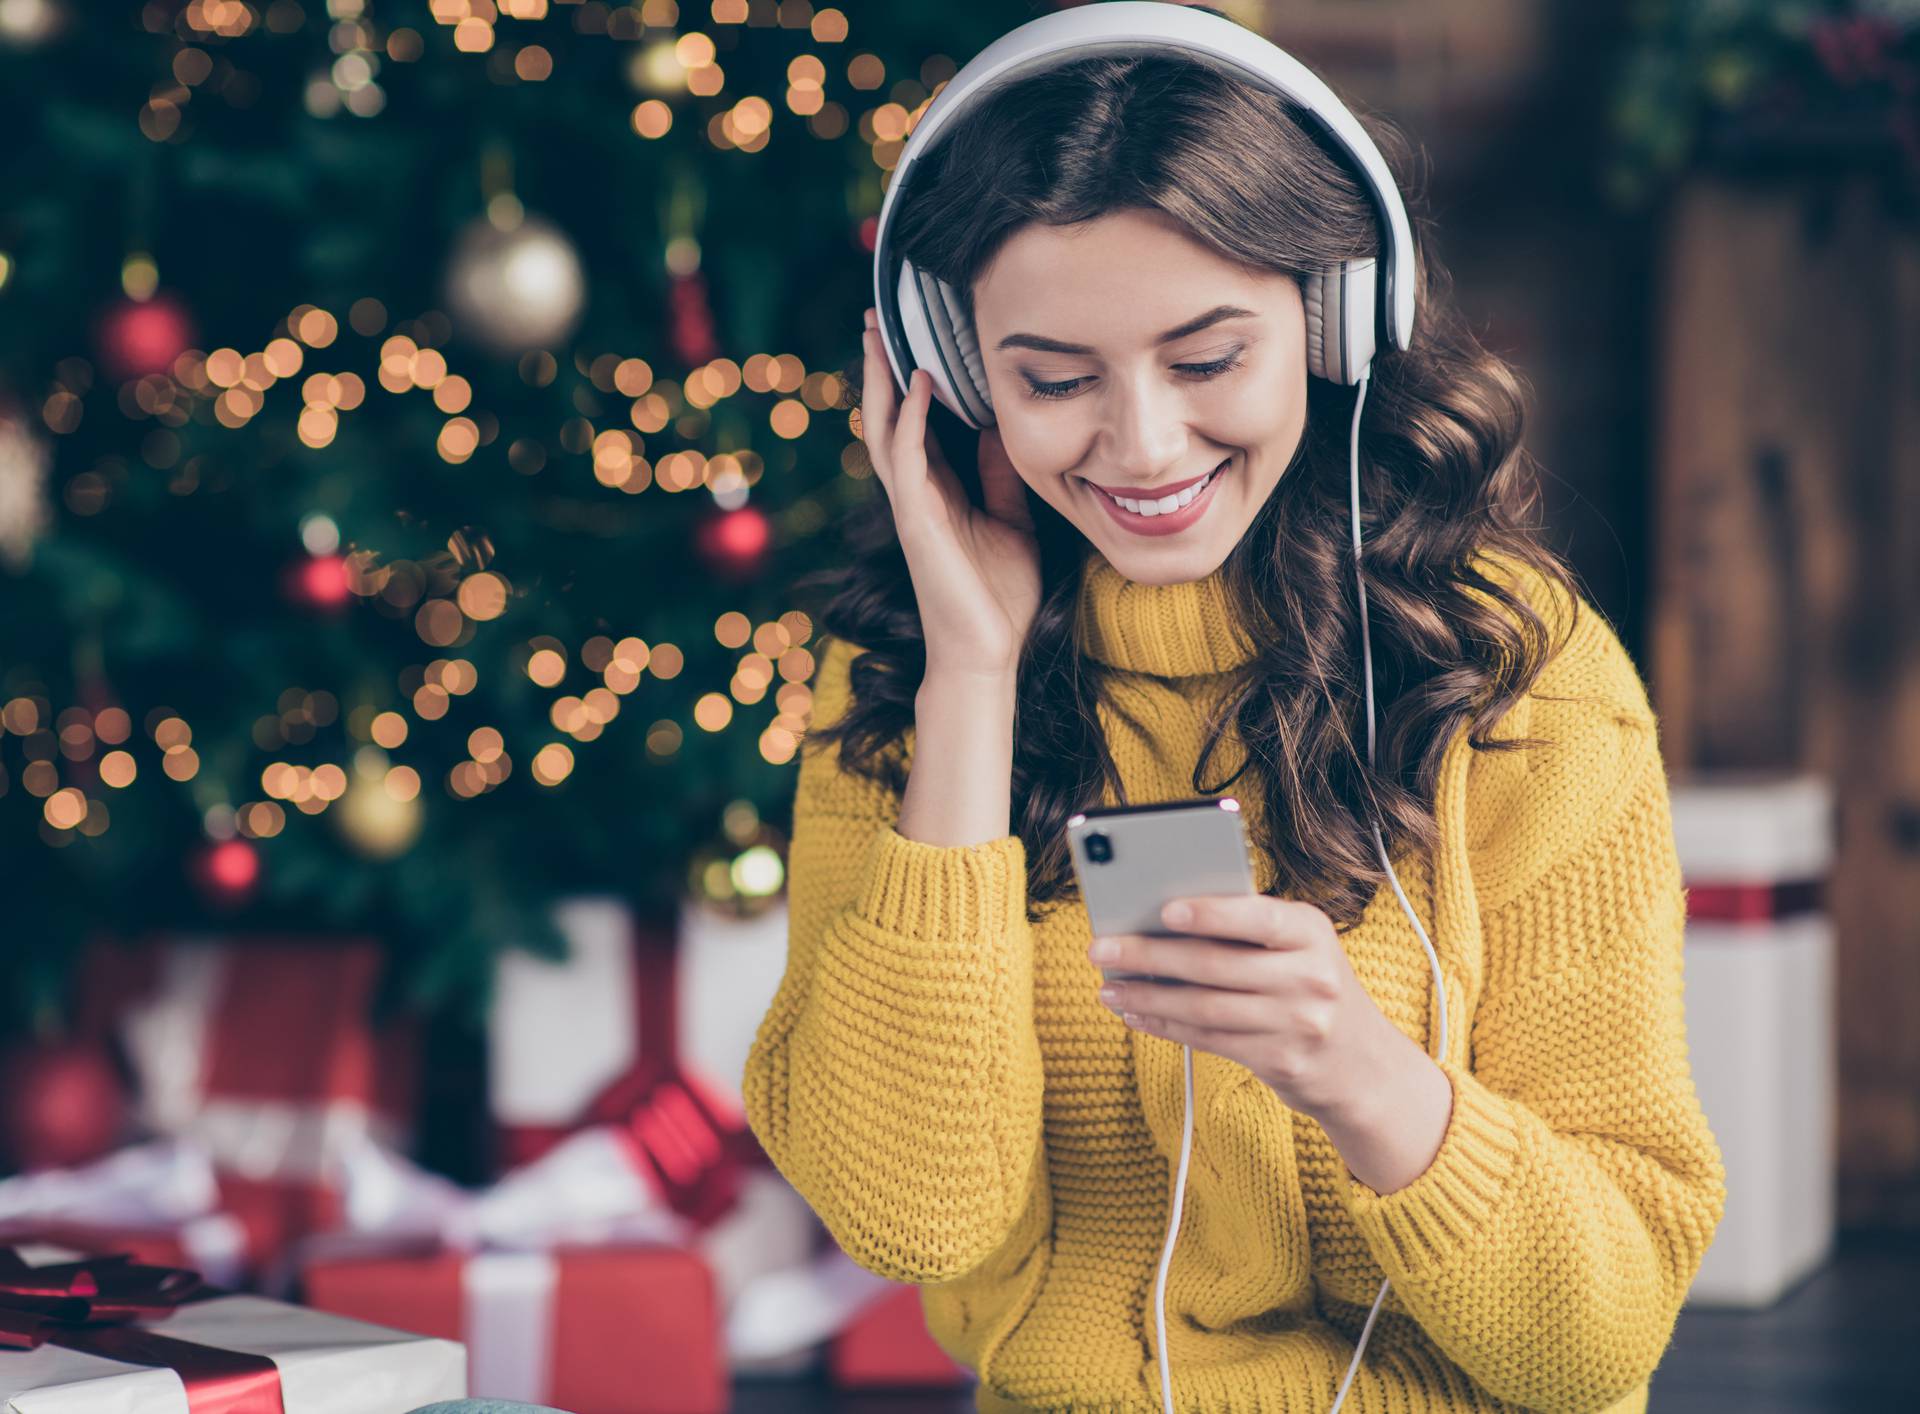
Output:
x,y
938,1079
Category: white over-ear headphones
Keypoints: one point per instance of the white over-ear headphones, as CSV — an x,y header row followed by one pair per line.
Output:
x,y
1350,306
923,324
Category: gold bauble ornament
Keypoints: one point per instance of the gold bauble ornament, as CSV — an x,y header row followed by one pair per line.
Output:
x,y
743,872
374,821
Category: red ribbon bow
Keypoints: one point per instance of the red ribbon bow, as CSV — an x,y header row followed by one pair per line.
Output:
x,y
91,1305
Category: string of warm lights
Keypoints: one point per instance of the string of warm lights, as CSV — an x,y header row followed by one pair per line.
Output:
x,y
665,64
776,650
448,594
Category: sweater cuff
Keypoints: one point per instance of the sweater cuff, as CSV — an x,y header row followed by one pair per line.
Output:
x,y
927,893
1456,1202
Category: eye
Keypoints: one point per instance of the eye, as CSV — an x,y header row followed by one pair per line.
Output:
x,y
1202,371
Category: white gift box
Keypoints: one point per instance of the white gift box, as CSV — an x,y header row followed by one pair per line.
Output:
x,y
728,973
328,1364
1760,1022
561,1030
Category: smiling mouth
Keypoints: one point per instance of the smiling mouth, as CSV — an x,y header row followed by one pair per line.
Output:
x,y
1163,505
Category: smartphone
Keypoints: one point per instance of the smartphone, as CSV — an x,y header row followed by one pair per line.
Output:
x,y
1132,860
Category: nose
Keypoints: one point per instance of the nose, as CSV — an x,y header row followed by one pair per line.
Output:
x,y
1148,429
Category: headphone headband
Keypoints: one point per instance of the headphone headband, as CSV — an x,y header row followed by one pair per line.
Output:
x,y
1150,27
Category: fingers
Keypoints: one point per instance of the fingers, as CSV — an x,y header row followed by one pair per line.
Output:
x,y
896,431
1200,1007
1254,918
876,408
1201,961
909,448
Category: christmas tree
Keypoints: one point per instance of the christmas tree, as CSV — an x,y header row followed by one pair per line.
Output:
x,y
413,419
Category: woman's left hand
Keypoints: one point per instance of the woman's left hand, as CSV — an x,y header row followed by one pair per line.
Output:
x,y
1288,1007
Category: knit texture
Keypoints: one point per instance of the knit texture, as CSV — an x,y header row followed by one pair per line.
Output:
x,y
937,1078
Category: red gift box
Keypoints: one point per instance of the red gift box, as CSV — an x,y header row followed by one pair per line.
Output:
x,y
887,1344
624,1329
265,1052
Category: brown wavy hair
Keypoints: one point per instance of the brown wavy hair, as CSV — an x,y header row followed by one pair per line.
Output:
x,y
1444,482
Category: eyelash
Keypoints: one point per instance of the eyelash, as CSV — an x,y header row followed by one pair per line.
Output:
x,y
1205,371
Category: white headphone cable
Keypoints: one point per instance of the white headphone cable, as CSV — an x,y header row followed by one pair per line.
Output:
x,y
1433,959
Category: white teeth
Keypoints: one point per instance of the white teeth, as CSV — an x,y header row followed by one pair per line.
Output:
x,y
1166,505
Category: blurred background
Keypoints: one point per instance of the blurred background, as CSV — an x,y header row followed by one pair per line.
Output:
x,y
415,419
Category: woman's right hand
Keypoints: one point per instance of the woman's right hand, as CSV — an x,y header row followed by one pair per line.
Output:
x,y
976,573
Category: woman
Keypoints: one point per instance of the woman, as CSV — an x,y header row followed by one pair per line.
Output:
x,y
938,1074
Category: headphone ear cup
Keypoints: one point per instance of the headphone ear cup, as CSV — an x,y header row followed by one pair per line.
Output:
x,y
927,312
967,345
1315,294
1339,302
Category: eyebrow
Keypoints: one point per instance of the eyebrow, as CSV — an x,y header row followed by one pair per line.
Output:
x,y
1192,326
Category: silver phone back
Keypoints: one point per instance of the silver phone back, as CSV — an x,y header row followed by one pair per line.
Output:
x,y
1158,853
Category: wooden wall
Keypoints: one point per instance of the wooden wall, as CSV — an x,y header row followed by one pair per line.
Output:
x,y
1785,626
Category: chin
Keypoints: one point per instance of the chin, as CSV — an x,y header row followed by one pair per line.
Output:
x,y
1172,565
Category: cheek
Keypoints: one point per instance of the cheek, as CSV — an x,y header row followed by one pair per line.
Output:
x,y
1275,437
1040,452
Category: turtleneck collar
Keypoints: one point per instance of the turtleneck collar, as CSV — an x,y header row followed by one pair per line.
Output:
x,y
1167,630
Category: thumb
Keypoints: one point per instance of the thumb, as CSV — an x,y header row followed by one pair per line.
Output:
x,y
1000,485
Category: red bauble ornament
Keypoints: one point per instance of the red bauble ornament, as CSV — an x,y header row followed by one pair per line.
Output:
x,y
226,873
318,582
138,337
61,1103
734,543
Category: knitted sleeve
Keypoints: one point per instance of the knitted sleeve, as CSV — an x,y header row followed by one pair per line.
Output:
x,y
896,1078
1548,1247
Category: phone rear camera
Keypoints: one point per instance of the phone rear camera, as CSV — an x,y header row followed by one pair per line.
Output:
x,y
1099,848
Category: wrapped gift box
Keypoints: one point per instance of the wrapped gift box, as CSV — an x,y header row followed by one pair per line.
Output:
x,y
1755,854
886,1345
593,1039
561,1030
618,1329
158,1201
214,1246
727,973
232,1352
264,1052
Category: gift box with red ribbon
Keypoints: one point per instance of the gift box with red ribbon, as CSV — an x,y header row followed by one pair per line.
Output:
x,y
266,1053
1754,853
158,1202
105,1332
517,1252
592,1039
616,1329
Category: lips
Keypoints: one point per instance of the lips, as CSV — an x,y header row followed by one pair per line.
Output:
x,y
1150,493
1144,516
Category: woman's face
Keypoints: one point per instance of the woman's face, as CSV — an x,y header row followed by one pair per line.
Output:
x,y
1144,387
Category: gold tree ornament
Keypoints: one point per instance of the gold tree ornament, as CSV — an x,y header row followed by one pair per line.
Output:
x,y
743,880
379,817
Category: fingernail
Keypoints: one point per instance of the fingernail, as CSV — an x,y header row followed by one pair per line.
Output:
x,y
1104,950
1177,915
